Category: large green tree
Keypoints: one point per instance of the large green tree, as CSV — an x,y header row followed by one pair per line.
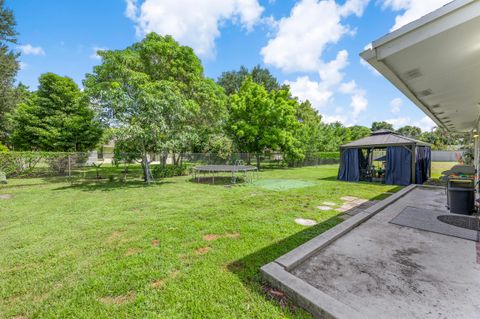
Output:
x,y
232,81
309,131
57,117
156,96
261,120
381,125
8,68
410,131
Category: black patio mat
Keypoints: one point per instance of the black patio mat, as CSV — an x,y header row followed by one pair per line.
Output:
x,y
428,219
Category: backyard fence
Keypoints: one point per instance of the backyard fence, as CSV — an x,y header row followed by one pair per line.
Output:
x,y
446,156
122,165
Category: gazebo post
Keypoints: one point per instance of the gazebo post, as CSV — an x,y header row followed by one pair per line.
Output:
x,y
414,162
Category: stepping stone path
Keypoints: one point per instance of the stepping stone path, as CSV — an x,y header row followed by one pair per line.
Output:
x,y
329,204
349,198
354,205
5,196
305,222
324,207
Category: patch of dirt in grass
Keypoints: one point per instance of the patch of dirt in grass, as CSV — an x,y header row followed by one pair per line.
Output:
x,y
115,235
161,282
118,300
158,283
155,242
202,250
278,297
5,196
210,237
19,317
133,251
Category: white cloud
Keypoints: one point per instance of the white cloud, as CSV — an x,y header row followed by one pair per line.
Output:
x,y
395,105
319,93
425,123
399,122
359,103
303,36
22,65
94,54
412,9
335,118
29,49
306,89
193,22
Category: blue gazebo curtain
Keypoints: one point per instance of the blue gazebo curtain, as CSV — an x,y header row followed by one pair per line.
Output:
x,y
399,166
349,165
422,165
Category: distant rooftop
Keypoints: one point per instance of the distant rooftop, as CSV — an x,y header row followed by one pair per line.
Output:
x,y
384,138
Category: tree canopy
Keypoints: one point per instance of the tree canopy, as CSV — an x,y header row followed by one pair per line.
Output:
x,y
57,117
8,68
382,125
232,81
155,94
261,120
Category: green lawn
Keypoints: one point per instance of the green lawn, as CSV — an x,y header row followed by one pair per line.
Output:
x,y
175,249
439,167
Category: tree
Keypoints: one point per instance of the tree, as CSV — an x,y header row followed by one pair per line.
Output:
x,y
155,94
232,81
410,131
57,117
381,126
357,132
261,120
8,68
309,132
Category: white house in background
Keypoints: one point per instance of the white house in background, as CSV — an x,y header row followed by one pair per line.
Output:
x,y
435,62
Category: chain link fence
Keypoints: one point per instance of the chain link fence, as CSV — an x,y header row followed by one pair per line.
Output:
x,y
96,165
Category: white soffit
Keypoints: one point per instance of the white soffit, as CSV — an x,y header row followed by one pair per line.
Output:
x,y
435,62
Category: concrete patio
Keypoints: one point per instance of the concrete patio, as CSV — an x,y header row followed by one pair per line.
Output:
x,y
367,267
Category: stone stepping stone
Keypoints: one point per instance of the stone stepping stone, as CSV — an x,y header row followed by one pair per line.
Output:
x,y
360,201
305,222
349,198
5,196
324,207
329,204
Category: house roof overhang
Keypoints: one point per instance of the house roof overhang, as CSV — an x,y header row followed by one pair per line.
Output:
x,y
435,62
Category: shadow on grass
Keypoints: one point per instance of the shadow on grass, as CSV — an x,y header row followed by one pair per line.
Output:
x,y
105,186
248,267
217,180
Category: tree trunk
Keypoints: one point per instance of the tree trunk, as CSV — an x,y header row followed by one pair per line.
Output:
x,y
147,174
258,160
163,158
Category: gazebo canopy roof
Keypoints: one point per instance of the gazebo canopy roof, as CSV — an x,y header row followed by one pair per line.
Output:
x,y
383,138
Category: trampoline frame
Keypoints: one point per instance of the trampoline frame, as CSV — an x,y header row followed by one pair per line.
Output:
x,y
233,169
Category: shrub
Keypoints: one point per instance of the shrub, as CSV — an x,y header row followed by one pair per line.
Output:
x,y
3,149
163,171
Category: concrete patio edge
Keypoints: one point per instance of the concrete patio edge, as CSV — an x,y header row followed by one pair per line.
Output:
x,y
295,257
308,297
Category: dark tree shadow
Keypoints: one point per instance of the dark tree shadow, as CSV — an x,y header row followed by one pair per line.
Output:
x,y
105,186
217,180
248,268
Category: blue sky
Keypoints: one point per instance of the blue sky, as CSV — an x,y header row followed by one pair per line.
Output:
x,y
311,45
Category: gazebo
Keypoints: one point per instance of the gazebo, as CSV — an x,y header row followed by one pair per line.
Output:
x,y
387,157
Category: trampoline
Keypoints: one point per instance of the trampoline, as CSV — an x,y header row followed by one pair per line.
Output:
x,y
249,172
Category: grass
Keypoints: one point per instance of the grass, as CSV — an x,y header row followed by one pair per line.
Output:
x,y
439,167
175,249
